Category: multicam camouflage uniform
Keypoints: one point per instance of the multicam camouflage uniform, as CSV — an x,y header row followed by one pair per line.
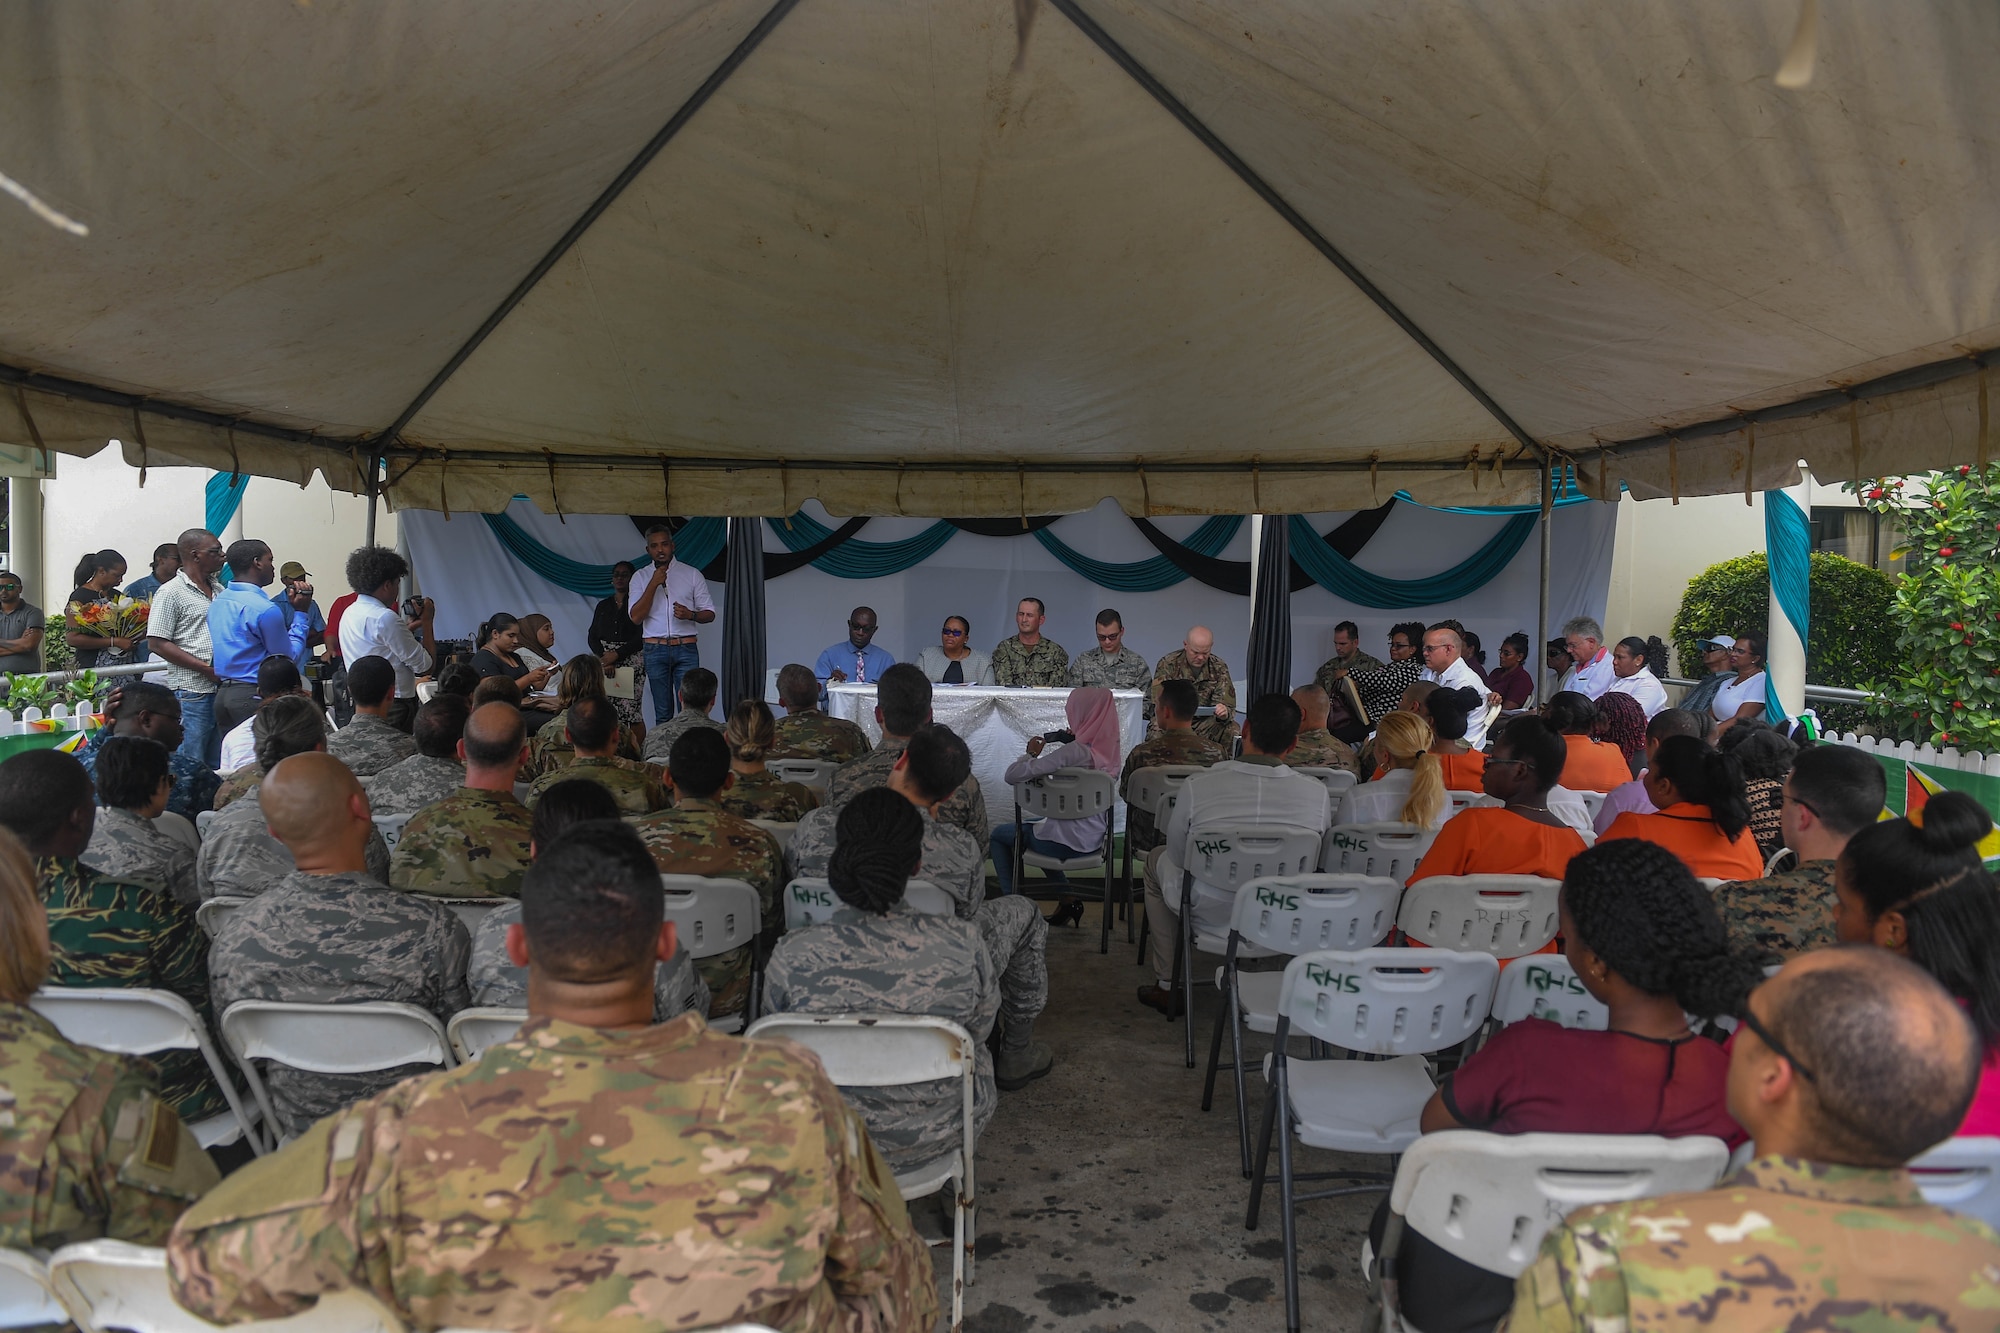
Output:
x,y
660,740
1183,746
1045,665
899,962
550,748
635,786
240,859
1777,1244
195,783
1779,917
338,939
767,796
90,1149
699,837
965,807
408,786
816,735
1212,686
1320,748
1328,675
504,1194
111,932
368,745
1124,670
472,844
130,846
495,981
238,785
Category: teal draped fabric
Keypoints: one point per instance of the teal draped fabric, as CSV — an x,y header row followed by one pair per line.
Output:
x,y
857,559
1345,580
1210,539
224,496
697,543
1788,539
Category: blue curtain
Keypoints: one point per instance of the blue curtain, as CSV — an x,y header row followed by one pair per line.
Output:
x,y
856,559
224,498
1210,539
1345,580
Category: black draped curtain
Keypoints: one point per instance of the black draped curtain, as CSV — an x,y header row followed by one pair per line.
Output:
x,y
1271,613
743,614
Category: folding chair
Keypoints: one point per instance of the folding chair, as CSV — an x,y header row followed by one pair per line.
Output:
x,y
1962,1174
1068,793
1546,986
108,1284
203,820
210,914
713,916
330,1039
811,901
892,1050
1401,1003
1488,1199
1226,857
1143,792
1294,915
1336,780
1455,801
1387,849
814,773
471,1031
26,1298
472,911
1593,801
391,828
143,1022
1504,915
781,831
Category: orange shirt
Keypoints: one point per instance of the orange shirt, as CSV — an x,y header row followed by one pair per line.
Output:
x,y
1686,830
1462,771
1490,840
1594,766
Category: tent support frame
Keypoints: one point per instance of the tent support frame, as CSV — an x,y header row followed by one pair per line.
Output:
x,y
1537,651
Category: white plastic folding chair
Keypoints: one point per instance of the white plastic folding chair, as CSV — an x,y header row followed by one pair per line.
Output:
x,y
780,830
810,901
1504,915
471,1031
1337,781
1962,1174
1143,792
109,1284
1546,986
391,828
202,821
1456,801
1399,1003
814,773
893,1050
210,914
472,911
1593,801
1386,848
1488,1199
1067,793
927,898
26,1298
330,1039
1289,915
713,916
143,1022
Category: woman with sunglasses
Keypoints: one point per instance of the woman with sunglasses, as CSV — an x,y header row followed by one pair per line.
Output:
x,y
955,661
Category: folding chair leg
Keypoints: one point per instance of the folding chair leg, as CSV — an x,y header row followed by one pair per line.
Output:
x,y
1287,1223
1215,1046
1263,1159
1242,1094
1104,926
1145,924
959,1243
1187,972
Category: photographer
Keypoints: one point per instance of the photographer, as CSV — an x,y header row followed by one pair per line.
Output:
x,y
373,627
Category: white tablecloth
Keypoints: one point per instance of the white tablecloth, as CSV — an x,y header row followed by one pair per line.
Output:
x,y
995,723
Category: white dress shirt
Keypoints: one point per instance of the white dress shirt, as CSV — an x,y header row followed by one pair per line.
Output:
x,y
1644,687
370,629
239,747
1593,678
1228,795
684,584
1460,676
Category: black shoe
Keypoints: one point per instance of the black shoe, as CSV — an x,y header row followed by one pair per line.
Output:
x,y
1069,912
1168,1002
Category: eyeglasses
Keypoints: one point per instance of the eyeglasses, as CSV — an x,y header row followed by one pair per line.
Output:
x,y
1436,647
861,624
1397,646
954,633
1756,1025
1107,638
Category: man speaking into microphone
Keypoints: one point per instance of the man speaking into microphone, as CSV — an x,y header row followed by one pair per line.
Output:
x,y
670,609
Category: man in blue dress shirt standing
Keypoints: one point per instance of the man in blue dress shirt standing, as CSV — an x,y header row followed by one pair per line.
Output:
x,y
857,659
245,626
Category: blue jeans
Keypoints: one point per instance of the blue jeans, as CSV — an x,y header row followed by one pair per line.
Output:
x,y
665,665
199,739
1001,844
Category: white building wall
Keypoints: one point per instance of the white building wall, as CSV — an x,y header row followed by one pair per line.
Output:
x,y
1661,546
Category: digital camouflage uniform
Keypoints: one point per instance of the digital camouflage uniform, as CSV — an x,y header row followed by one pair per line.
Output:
x,y
195,783
238,785
634,785
111,932
621,1181
338,939
660,740
496,983
899,962
1125,670
1328,675
1046,665
965,807
409,785
472,844
132,847
767,796
1157,751
816,735
90,1149
550,748
240,859
1320,748
1779,917
368,744
1212,686
699,837
1778,1244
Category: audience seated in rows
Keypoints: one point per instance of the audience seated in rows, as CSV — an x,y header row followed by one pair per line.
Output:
x,y
500,651
1521,836
457,678
133,780
697,697
1765,755
805,732
902,704
1411,789
143,708
1317,747
758,793
591,727
370,743
276,678
1092,714
1621,724
1172,740
582,677
1702,816
435,771
1448,711
1380,688
497,690
1636,667
1632,795
474,842
1594,765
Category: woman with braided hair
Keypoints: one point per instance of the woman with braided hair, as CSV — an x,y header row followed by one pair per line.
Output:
x,y
1621,722
879,955
1702,814
1594,765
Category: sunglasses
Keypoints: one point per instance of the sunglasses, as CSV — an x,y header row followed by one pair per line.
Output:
x,y
1756,1025
954,634
856,624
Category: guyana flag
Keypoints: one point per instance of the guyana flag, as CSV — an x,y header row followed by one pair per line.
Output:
x,y
1919,787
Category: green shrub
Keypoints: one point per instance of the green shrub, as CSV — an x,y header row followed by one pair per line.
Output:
x,y
56,652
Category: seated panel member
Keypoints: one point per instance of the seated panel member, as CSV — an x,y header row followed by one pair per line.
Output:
x,y
954,661
1195,660
856,658
1026,659
1111,664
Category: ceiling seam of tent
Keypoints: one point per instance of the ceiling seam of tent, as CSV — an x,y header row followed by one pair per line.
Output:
x,y
686,111
1264,190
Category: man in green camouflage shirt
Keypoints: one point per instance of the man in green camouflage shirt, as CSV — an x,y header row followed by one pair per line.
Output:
x,y
804,732
473,843
1174,741
599,1171
434,772
1111,664
593,735
1318,747
1027,659
697,696
1215,692
1848,1064
1831,794
1347,658
902,704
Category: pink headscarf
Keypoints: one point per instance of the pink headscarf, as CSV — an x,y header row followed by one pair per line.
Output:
x,y
1093,716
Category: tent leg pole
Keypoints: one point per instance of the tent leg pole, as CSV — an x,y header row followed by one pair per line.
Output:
x,y
1538,651
369,539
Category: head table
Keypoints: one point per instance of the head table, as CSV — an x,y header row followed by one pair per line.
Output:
x,y
995,723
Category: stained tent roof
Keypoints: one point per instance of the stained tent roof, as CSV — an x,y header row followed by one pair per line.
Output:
x,y
1278,255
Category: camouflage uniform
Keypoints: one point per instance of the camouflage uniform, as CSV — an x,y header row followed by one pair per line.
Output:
x,y
91,1149
965,807
408,786
635,786
1781,916
1125,671
1320,748
1777,1244
238,785
240,859
621,1181
1328,677
472,844
550,748
496,983
816,735
1157,751
699,837
338,939
195,783
130,846
767,796
1046,665
660,740
1212,686
368,744
899,962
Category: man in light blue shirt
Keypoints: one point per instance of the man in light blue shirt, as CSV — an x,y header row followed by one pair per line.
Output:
x,y
245,627
857,659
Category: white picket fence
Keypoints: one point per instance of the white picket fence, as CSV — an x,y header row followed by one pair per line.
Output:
x,y
1949,757
10,725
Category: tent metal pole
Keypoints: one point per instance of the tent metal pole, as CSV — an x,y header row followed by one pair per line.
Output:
x,y
374,468
1537,651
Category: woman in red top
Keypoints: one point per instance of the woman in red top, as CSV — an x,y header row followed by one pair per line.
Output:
x,y
1646,941
1703,816
1520,837
1593,764
1449,712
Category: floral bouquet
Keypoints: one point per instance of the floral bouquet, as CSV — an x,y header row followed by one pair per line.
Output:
x,y
117,617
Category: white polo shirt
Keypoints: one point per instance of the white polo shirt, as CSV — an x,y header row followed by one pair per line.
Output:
x,y
1592,679
1460,676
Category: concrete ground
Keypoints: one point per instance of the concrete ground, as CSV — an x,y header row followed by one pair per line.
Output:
x,y
1110,1203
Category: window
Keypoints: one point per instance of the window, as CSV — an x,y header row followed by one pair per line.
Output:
x,y
1858,534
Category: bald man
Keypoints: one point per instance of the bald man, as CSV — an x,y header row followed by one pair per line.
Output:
x,y
332,933
475,842
1215,692
1318,747
1445,666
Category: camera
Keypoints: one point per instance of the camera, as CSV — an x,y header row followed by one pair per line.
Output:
x,y
413,607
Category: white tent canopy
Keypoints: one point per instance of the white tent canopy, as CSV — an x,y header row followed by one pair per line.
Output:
x,y
715,256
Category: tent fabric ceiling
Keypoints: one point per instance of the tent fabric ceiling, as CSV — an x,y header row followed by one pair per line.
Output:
x,y
882,267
